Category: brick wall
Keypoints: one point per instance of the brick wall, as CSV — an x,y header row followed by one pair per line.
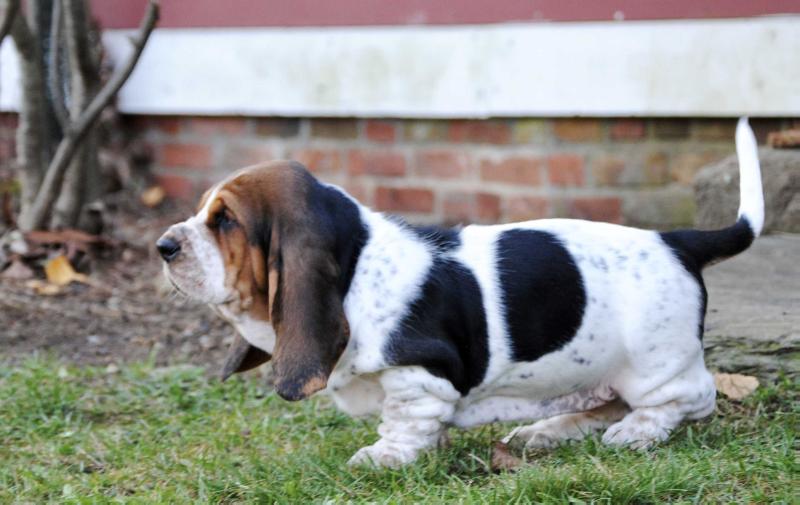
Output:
x,y
632,171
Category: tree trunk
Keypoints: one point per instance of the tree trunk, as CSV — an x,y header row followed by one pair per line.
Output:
x,y
31,148
57,141
84,81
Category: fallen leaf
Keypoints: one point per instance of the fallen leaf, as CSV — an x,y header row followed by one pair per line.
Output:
x,y
17,270
61,273
502,459
43,288
735,386
153,196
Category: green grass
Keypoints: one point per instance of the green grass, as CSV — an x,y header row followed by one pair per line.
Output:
x,y
146,435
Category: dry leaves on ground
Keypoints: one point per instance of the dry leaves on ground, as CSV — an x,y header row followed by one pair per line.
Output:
x,y
153,196
503,459
735,386
43,288
17,270
60,272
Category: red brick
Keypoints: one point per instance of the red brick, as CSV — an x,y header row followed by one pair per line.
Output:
x,y
165,124
358,191
277,127
488,207
784,139
9,120
480,131
671,129
380,131
524,208
176,186
762,127
458,207
243,155
714,129
516,170
531,131
386,163
686,165
565,170
602,208
327,161
607,170
186,155
7,149
341,129
577,130
217,125
441,164
425,130
404,199
627,129
471,207
656,168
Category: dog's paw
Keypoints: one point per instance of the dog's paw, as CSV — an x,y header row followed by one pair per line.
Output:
x,y
635,434
383,454
535,436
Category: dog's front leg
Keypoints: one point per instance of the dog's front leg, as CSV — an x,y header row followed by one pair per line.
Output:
x,y
415,411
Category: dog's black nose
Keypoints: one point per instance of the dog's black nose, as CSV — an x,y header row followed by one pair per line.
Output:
x,y
168,248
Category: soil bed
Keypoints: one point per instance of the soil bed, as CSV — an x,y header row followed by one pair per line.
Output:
x,y
129,315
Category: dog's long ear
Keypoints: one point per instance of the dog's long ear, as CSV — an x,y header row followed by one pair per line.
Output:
x,y
305,308
242,357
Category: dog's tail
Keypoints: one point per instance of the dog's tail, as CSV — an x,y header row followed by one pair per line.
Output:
x,y
704,247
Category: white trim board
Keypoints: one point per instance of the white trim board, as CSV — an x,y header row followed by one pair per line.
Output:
x,y
648,68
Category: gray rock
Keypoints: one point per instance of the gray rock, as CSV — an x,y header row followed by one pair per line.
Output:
x,y
716,190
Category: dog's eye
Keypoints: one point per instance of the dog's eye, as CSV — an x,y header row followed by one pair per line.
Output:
x,y
224,220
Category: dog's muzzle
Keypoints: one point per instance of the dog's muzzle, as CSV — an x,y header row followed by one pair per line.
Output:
x,y
168,248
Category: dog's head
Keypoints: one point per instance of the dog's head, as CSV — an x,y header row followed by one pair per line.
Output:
x,y
261,246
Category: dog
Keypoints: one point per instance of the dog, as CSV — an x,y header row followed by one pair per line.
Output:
x,y
580,326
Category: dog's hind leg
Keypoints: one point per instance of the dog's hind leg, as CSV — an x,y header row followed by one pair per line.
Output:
x,y
689,395
559,429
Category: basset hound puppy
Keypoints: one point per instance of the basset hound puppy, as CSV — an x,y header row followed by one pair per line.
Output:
x,y
583,326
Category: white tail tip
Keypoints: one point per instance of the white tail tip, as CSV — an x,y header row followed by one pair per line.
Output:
x,y
751,196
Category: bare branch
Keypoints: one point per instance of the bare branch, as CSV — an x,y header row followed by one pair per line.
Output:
x,y
10,8
75,133
54,74
83,69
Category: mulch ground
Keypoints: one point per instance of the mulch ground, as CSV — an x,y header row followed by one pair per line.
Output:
x,y
127,314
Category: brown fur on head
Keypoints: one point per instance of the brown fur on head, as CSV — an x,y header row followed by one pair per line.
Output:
x,y
258,249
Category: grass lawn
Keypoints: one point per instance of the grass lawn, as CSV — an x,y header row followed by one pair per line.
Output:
x,y
147,435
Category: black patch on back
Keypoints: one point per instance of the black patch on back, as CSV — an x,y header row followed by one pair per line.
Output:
x,y
444,239
543,292
340,221
445,328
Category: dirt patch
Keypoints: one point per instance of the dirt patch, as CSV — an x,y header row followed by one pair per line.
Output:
x,y
130,314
